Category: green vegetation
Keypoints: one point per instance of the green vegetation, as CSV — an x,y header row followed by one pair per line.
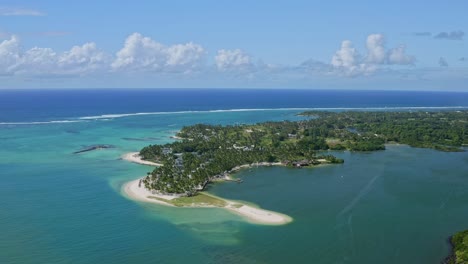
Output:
x,y
200,199
210,152
460,248
445,131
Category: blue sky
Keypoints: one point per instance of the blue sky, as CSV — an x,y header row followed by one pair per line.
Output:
x,y
404,45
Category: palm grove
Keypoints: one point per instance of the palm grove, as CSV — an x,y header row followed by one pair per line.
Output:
x,y
208,152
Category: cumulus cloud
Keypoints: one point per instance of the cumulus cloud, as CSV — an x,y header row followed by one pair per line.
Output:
x,y
454,35
9,54
375,48
346,56
8,11
347,59
139,53
45,61
144,54
232,59
398,56
443,62
82,58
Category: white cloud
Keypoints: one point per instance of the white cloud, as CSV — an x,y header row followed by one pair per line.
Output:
x,y
375,48
45,61
9,54
348,61
8,11
232,60
138,54
347,56
83,59
184,54
144,54
399,56
36,61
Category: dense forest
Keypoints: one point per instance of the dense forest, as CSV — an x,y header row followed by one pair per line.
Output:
x,y
460,248
210,152
444,130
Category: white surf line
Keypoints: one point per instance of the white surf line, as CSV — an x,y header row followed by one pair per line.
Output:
x,y
105,116
111,116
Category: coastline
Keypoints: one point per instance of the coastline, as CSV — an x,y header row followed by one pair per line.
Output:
x,y
136,191
136,158
252,214
133,191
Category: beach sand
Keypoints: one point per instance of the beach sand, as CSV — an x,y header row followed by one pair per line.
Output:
x,y
140,193
258,215
250,213
136,158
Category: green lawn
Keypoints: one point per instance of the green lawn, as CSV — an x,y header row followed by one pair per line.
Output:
x,y
198,199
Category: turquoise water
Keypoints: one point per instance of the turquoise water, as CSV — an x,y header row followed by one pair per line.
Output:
x,y
393,206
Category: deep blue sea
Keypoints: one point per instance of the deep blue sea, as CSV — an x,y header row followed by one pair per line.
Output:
x,y
394,206
48,105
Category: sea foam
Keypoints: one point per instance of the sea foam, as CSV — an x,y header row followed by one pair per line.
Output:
x,y
107,117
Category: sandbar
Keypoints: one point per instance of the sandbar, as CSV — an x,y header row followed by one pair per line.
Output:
x,y
136,158
138,192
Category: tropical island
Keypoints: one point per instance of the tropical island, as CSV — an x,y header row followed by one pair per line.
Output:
x,y
459,243
204,153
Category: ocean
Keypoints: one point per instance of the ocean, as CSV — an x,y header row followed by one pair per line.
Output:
x,y
394,206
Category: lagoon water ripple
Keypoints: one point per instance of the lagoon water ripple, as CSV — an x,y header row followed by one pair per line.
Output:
x,y
392,206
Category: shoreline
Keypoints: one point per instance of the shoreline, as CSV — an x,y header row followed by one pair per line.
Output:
x,y
133,191
136,158
252,214
137,192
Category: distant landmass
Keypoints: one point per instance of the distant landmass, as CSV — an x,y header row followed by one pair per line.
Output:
x,y
209,153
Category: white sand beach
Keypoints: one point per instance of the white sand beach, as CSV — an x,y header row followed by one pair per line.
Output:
x,y
252,214
258,215
136,158
140,193
137,191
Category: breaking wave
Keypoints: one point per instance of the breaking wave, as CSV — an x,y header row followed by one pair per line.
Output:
x,y
107,117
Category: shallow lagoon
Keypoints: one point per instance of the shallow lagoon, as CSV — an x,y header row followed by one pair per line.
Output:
x,y
393,206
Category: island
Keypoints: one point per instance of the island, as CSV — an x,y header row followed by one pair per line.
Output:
x,y
459,243
135,190
205,153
